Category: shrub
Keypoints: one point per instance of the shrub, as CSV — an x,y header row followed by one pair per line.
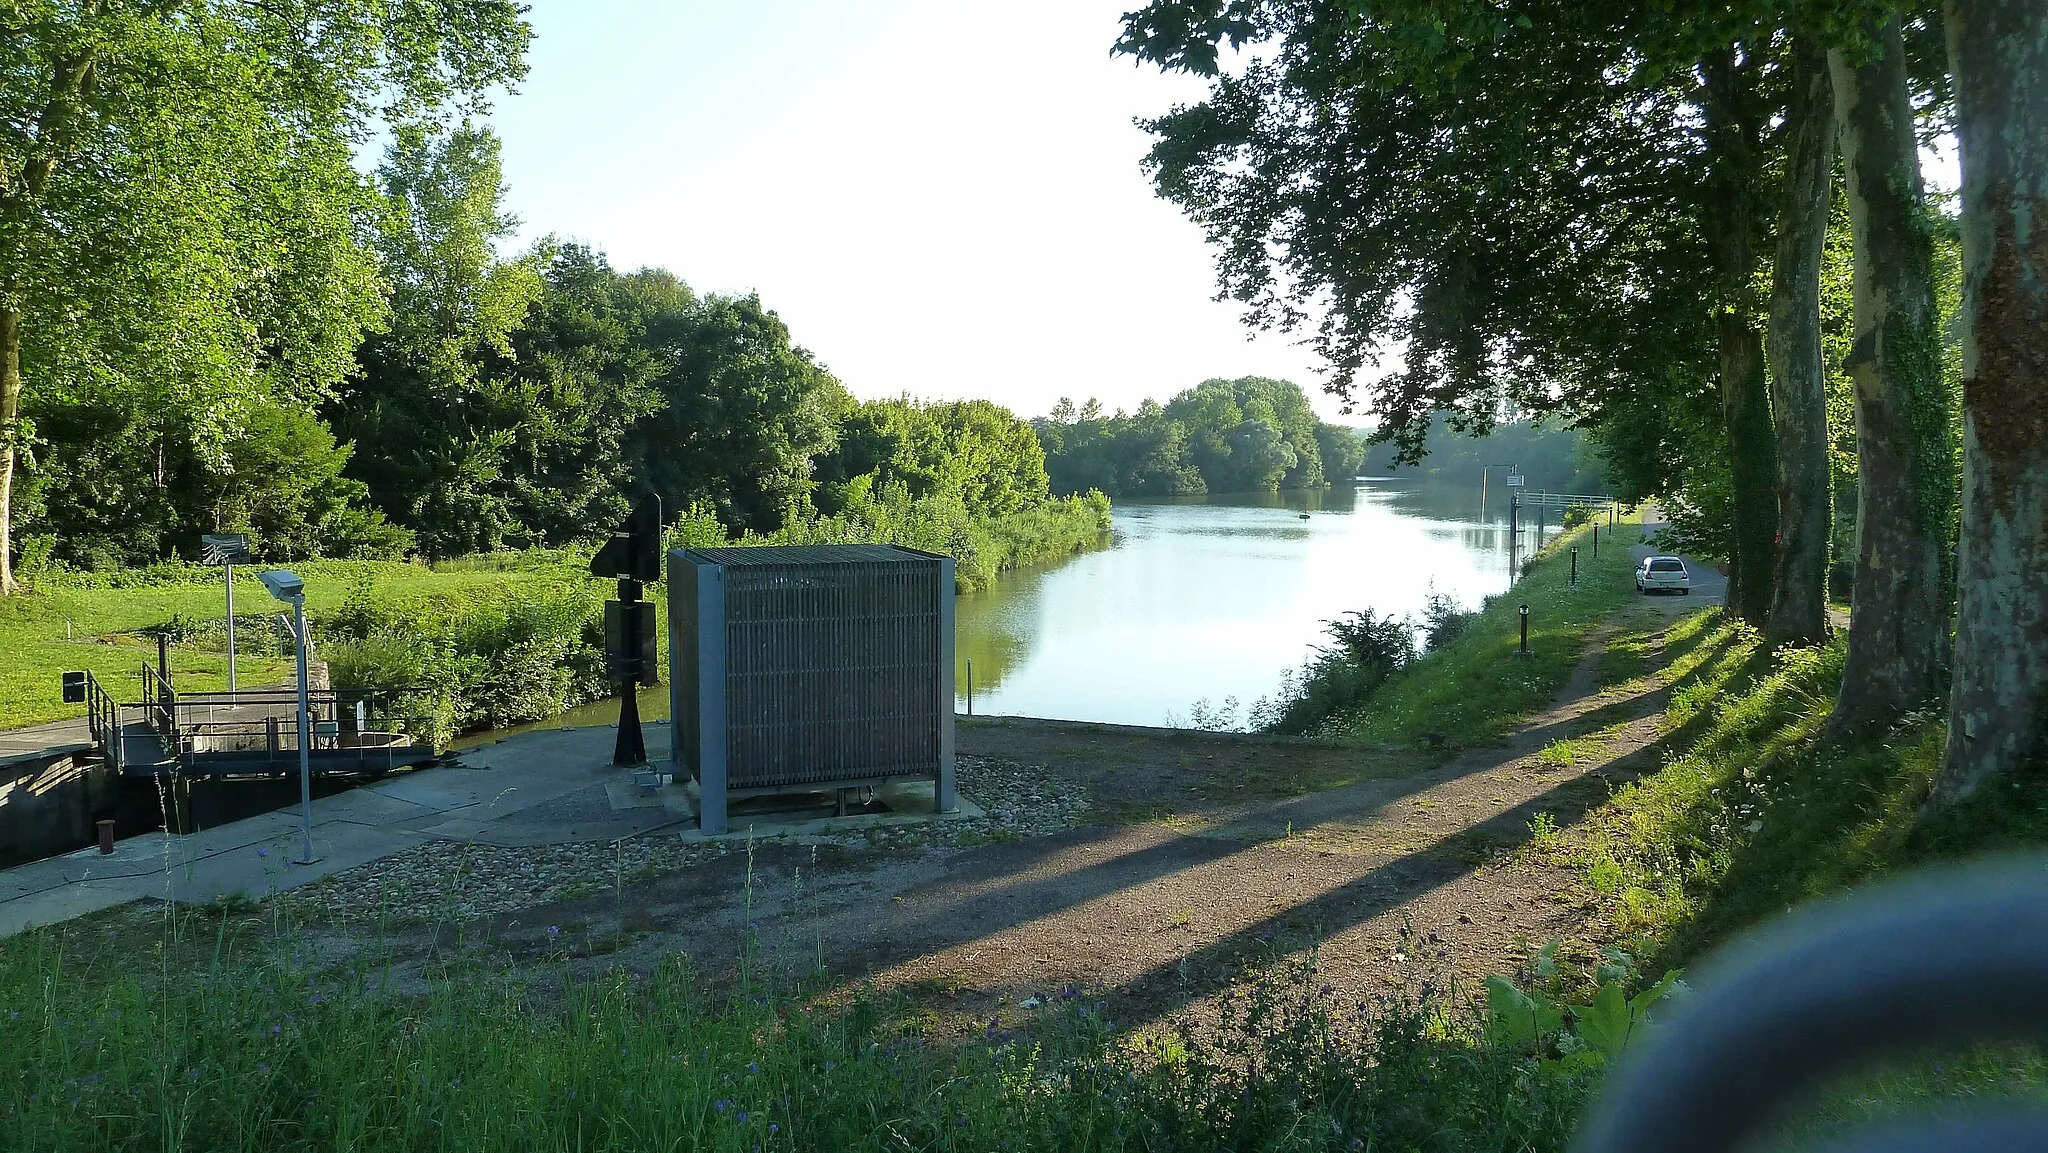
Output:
x,y
1366,649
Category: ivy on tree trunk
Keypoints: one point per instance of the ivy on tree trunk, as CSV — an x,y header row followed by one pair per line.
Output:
x,y
1998,710
1799,403
1905,482
10,435
1734,125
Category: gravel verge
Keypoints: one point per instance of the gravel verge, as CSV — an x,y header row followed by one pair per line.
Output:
x,y
456,881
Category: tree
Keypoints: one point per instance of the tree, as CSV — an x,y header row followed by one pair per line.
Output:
x,y
431,434
741,413
1998,713
1898,634
177,205
1798,610
1736,116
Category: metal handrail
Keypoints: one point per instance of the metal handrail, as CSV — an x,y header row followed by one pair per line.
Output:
x,y
103,719
1950,956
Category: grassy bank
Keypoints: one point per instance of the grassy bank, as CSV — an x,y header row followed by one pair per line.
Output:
x,y
500,638
102,622
1761,808
1475,688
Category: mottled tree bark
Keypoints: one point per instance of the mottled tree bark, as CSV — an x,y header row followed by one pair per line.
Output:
x,y
10,431
1734,125
1898,623
1998,710
1799,403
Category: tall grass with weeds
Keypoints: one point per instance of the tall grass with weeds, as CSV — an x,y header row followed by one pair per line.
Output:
x,y
226,1038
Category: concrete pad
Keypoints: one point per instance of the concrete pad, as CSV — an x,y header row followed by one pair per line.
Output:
x,y
539,788
59,905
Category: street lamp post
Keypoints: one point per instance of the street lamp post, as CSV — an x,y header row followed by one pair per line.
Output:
x,y
287,587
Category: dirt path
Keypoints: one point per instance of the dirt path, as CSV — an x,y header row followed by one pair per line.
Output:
x,y
1198,866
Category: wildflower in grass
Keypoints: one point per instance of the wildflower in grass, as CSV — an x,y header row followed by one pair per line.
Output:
x,y
554,930
721,1105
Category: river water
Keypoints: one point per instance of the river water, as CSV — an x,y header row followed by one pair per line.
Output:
x,y
1199,605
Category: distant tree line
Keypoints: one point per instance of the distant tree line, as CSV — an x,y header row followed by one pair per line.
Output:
x,y
1554,459
1246,435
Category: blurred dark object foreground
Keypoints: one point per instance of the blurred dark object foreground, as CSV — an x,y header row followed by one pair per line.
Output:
x,y
1946,957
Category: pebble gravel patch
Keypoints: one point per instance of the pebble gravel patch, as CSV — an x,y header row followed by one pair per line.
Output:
x,y
444,881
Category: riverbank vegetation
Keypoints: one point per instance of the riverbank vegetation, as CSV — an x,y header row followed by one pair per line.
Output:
x,y
1246,435
1456,678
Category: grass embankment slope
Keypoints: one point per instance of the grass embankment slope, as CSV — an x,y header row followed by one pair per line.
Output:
x,y
1477,687
100,624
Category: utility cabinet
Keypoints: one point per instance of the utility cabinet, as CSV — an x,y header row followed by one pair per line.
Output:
x,y
809,668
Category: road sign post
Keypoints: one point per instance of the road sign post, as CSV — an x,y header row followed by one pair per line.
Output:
x,y
227,550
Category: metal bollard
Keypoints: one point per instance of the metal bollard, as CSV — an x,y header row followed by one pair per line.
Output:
x,y
1525,632
1575,566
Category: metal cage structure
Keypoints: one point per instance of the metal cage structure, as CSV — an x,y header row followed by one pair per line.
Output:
x,y
809,668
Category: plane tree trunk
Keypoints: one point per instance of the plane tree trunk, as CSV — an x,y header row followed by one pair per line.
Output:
x,y
10,435
1799,404
1998,708
1898,623
1733,129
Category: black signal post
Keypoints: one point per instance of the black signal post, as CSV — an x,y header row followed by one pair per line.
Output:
x,y
1575,566
1524,651
633,555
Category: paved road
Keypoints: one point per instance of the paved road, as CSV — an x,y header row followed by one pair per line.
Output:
x,y
1709,587
43,740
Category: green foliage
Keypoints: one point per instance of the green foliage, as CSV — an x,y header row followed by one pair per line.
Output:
x,y
230,1040
483,657
1242,435
1366,649
982,546
1557,459
178,221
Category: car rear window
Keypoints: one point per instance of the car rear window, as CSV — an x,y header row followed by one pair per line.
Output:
x,y
1666,566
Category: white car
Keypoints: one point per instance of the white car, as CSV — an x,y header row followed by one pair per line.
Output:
x,y
1663,574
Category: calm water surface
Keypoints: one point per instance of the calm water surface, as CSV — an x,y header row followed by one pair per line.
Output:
x,y
1205,600
1211,599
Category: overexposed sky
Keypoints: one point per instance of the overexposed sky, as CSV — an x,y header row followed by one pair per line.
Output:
x,y
939,197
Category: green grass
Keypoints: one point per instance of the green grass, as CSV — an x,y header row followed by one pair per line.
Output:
x,y
91,621
1762,808
220,1034
103,620
1476,689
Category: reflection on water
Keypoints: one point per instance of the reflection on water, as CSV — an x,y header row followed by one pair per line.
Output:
x,y
1212,598
1199,599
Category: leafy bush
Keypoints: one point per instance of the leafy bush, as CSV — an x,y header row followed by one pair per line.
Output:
x,y
1366,649
484,657
1442,620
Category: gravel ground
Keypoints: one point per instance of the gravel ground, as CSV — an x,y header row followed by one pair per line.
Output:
x,y
455,881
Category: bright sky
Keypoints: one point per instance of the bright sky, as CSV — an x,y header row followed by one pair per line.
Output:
x,y
939,197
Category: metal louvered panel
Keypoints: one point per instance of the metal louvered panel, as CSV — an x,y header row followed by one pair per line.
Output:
x,y
811,666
